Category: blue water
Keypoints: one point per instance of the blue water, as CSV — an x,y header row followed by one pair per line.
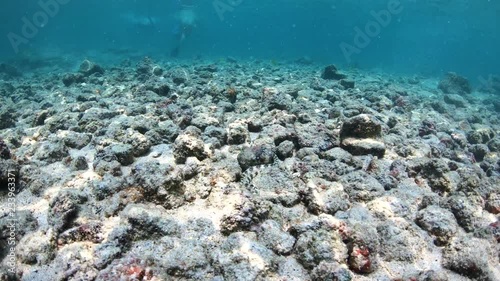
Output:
x,y
426,37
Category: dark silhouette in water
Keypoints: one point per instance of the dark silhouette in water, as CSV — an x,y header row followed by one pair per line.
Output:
x,y
185,25
175,51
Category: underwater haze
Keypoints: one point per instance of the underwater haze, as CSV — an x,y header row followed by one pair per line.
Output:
x,y
428,37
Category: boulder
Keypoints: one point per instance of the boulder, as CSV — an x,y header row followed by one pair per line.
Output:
x,y
331,73
455,84
360,135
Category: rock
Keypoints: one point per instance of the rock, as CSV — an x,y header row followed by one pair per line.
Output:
x,y
453,83
361,126
88,68
475,119
139,142
272,185
253,258
466,209
304,118
76,140
4,150
331,271
168,131
280,101
347,84
469,257
63,121
361,186
105,253
493,203
314,135
160,183
438,222
204,120
187,145
191,168
400,242
128,268
217,133
157,70
7,89
146,67
158,87
314,247
439,106
279,134
471,182
494,230
431,275
481,135
360,260
40,117
72,78
364,147
37,248
456,100
325,197
340,155
427,128
7,118
151,221
91,231
437,173
491,164
94,114
107,186
123,153
227,106
254,125
241,218
23,218
290,269
186,259
273,237
63,208
190,186
179,76
112,157
51,152
79,163
208,68
331,73
102,167
256,155
237,134
363,245
479,151
494,144
285,149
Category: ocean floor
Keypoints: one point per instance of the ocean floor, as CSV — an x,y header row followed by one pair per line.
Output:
x,y
245,170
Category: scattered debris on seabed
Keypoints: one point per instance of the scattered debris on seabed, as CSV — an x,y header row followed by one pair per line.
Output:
x,y
247,170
